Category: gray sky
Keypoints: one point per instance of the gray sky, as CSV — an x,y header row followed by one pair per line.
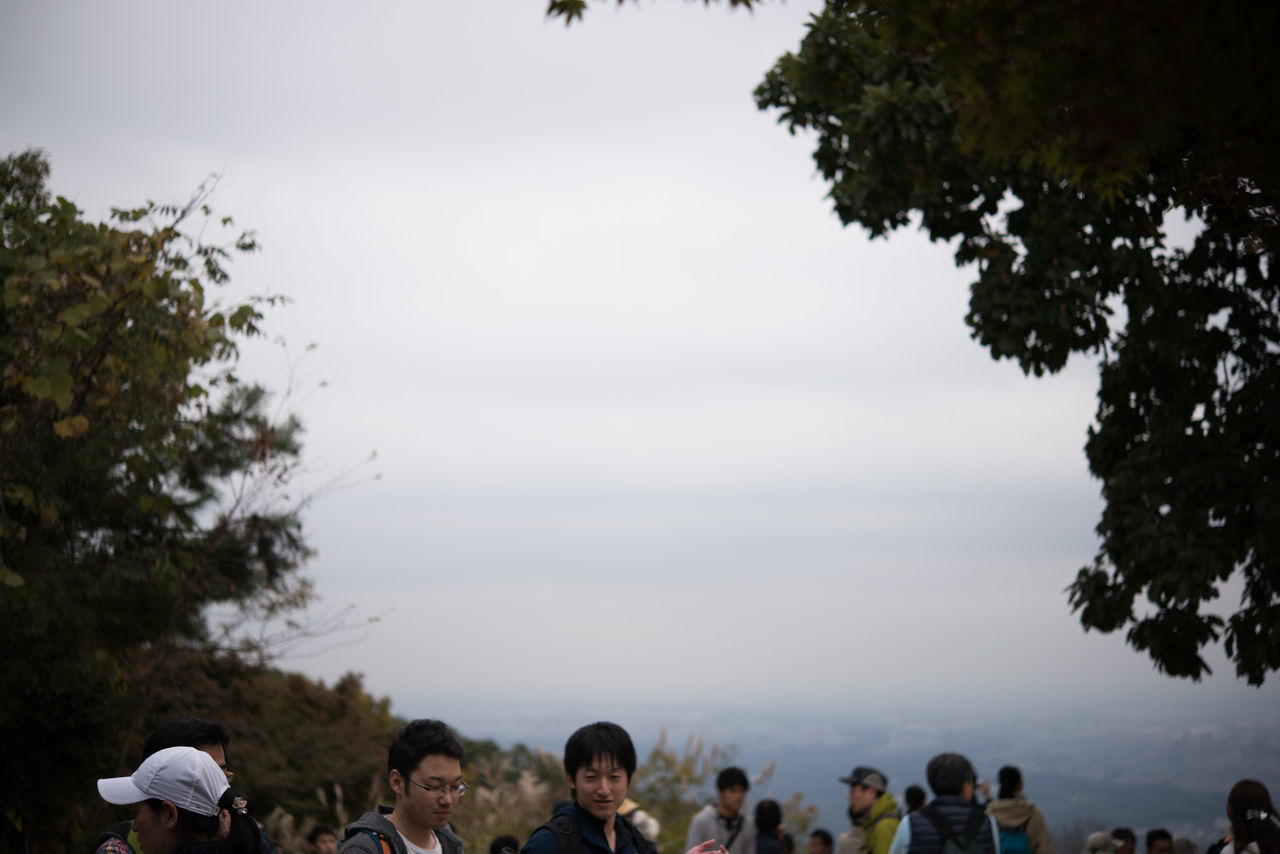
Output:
x,y
643,411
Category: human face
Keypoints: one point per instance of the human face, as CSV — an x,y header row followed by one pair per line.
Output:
x,y
219,755
731,800
421,810
326,843
600,787
1161,846
157,829
817,846
861,798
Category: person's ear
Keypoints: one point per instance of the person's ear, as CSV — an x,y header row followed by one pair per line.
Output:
x,y
168,815
397,782
569,779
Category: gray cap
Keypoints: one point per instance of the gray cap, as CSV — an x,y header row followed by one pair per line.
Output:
x,y
865,775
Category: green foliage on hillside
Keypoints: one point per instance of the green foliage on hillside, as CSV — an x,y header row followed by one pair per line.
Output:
x,y
137,479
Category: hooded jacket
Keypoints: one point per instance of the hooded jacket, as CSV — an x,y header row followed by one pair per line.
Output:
x,y
357,838
880,824
1012,812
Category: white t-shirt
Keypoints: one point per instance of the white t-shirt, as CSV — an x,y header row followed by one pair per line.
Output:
x,y
414,849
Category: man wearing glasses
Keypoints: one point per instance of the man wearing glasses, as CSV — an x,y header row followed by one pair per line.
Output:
x,y
208,736
424,767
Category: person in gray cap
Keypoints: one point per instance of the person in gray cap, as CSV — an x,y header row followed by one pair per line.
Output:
x,y
872,811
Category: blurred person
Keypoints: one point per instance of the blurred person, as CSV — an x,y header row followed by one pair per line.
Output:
x,y
207,736
1100,842
424,769
1159,841
1255,827
1021,826
873,813
768,827
322,840
181,794
1126,841
788,843
821,842
725,821
506,842
914,796
1183,845
951,814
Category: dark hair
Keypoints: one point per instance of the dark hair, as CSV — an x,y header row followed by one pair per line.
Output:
x,y
319,830
186,732
1124,834
914,797
418,739
243,837
1010,779
1157,834
788,843
501,843
599,739
730,777
948,772
824,836
1253,817
768,816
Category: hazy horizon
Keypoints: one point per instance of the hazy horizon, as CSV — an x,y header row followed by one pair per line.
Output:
x,y
655,434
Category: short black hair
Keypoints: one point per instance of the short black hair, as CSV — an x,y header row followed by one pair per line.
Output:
x,y
948,772
599,739
768,816
730,777
502,843
418,739
1156,835
186,732
914,797
823,835
1124,834
1010,779
319,830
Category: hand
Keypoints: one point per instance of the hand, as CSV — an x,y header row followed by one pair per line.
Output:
x,y
708,847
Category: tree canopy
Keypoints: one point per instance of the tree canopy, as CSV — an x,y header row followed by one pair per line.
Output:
x,y
1040,142
136,477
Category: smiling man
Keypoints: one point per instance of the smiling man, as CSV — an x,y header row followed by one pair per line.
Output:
x,y
424,768
599,760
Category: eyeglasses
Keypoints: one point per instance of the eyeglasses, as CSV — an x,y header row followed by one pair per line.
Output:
x,y
457,789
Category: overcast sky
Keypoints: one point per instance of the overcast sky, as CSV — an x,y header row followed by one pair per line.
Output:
x,y
651,427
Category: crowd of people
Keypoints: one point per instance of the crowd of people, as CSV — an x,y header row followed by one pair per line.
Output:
x,y
185,805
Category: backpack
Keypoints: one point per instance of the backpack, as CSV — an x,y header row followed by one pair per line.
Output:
x,y
568,836
1013,840
376,836
964,843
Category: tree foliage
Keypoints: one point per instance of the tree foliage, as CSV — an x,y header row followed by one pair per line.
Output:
x,y
1026,136
130,465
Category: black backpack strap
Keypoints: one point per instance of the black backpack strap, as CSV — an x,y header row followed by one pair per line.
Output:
x,y
733,837
566,834
643,844
973,826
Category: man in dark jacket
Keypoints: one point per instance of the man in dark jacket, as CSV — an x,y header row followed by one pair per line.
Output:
x,y
424,768
599,760
951,814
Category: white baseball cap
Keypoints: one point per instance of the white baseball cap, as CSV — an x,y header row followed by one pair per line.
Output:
x,y
188,778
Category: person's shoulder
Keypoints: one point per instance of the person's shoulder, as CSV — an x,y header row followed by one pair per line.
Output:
x,y
541,841
362,834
